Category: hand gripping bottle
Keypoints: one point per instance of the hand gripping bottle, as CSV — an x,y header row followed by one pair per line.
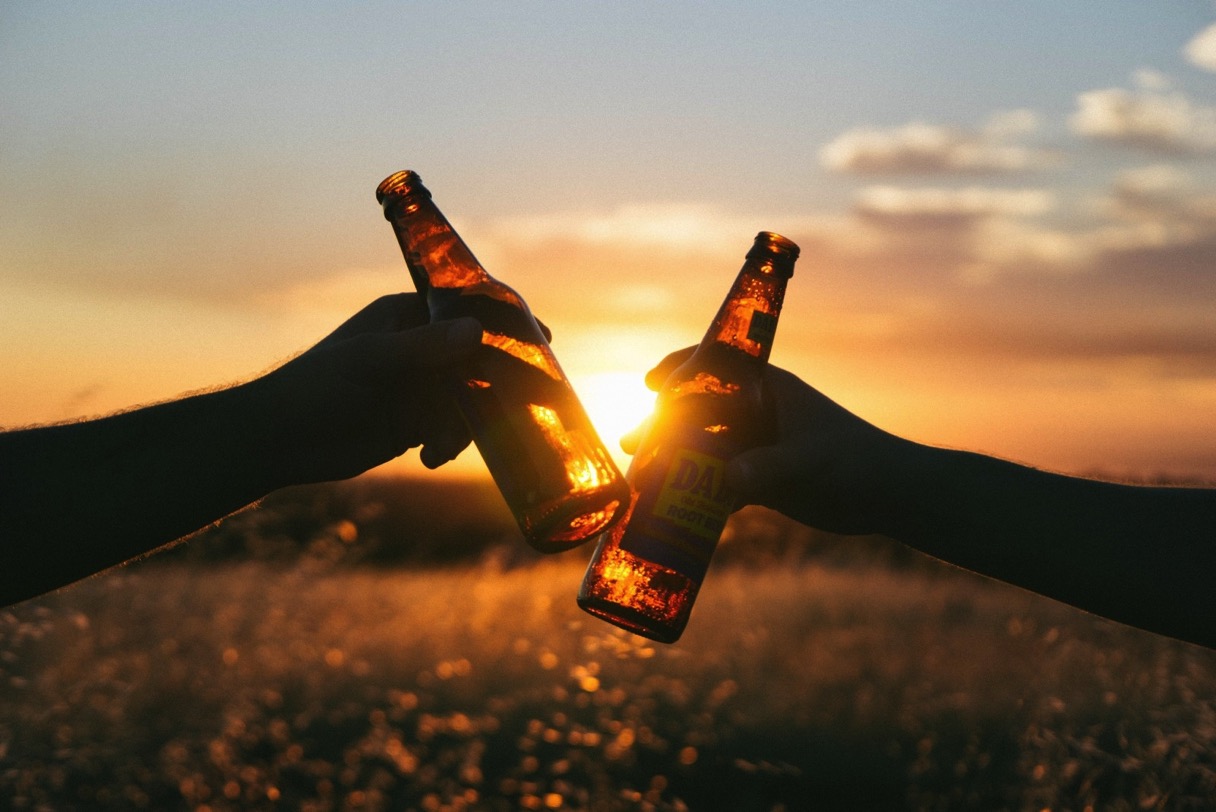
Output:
x,y
646,570
545,457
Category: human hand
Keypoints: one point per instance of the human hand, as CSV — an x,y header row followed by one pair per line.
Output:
x,y
826,467
368,392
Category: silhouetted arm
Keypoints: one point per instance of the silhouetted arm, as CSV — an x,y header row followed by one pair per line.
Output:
x,y
80,497
1144,556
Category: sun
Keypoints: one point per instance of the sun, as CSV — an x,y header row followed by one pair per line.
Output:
x,y
617,402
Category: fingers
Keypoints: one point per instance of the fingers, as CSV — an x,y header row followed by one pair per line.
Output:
x,y
376,359
438,344
446,439
443,449
397,311
656,376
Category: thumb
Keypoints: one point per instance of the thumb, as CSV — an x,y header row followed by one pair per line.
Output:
x,y
656,376
631,439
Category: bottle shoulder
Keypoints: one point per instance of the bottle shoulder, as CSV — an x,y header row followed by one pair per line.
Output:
x,y
495,305
487,288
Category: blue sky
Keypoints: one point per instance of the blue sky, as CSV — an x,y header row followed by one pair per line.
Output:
x,y
1006,209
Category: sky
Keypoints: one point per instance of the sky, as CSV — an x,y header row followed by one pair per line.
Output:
x,y
1007,212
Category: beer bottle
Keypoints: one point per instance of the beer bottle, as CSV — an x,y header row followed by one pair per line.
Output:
x,y
646,571
544,455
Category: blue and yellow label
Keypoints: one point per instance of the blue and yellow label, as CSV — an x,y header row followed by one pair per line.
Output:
x,y
694,494
681,526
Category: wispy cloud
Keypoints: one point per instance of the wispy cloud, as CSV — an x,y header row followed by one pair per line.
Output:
x,y
665,226
1150,117
668,262
922,148
927,205
974,233
1161,193
1201,50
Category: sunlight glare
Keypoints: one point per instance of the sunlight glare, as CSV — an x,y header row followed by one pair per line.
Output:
x,y
616,402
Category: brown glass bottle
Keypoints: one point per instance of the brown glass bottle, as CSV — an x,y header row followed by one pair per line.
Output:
x,y
544,455
646,571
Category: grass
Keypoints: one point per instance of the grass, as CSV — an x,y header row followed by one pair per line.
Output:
x,y
298,684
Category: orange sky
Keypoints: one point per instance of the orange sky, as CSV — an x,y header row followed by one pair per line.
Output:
x,y
1008,231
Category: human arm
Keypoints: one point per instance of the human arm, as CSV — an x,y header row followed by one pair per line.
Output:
x,y
1144,556
80,497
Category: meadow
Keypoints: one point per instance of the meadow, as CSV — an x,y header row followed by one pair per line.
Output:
x,y
344,648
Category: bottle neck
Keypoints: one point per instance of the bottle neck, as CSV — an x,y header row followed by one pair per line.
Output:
x,y
747,319
434,253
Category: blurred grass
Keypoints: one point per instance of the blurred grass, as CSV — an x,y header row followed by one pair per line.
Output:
x,y
304,681
384,521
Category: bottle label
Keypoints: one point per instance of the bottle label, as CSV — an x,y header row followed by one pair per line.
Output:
x,y
683,523
762,328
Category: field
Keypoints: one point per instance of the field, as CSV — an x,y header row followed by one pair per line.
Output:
x,y
308,656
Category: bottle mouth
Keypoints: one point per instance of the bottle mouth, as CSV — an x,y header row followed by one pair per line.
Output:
x,y
400,184
782,250
773,243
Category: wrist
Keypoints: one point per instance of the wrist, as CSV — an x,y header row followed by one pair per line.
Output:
x,y
910,483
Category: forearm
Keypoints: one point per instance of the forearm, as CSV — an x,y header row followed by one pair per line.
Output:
x,y
81,497
1139,555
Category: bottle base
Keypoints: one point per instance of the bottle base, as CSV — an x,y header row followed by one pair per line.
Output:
x,y
570,526
630,620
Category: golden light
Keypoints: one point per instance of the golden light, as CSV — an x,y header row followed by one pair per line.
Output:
x,y
536,356
617,402
583,465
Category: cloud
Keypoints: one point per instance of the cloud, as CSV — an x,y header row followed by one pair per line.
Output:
x,y
669,261
1161,229
1150,117
1151,221
991,273
975,232
972,234
1151,217
1152,79
922,148
661,225
1201,50
636,241
893,203
1157,192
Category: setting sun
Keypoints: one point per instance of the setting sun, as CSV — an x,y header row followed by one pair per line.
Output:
x,y
616,402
